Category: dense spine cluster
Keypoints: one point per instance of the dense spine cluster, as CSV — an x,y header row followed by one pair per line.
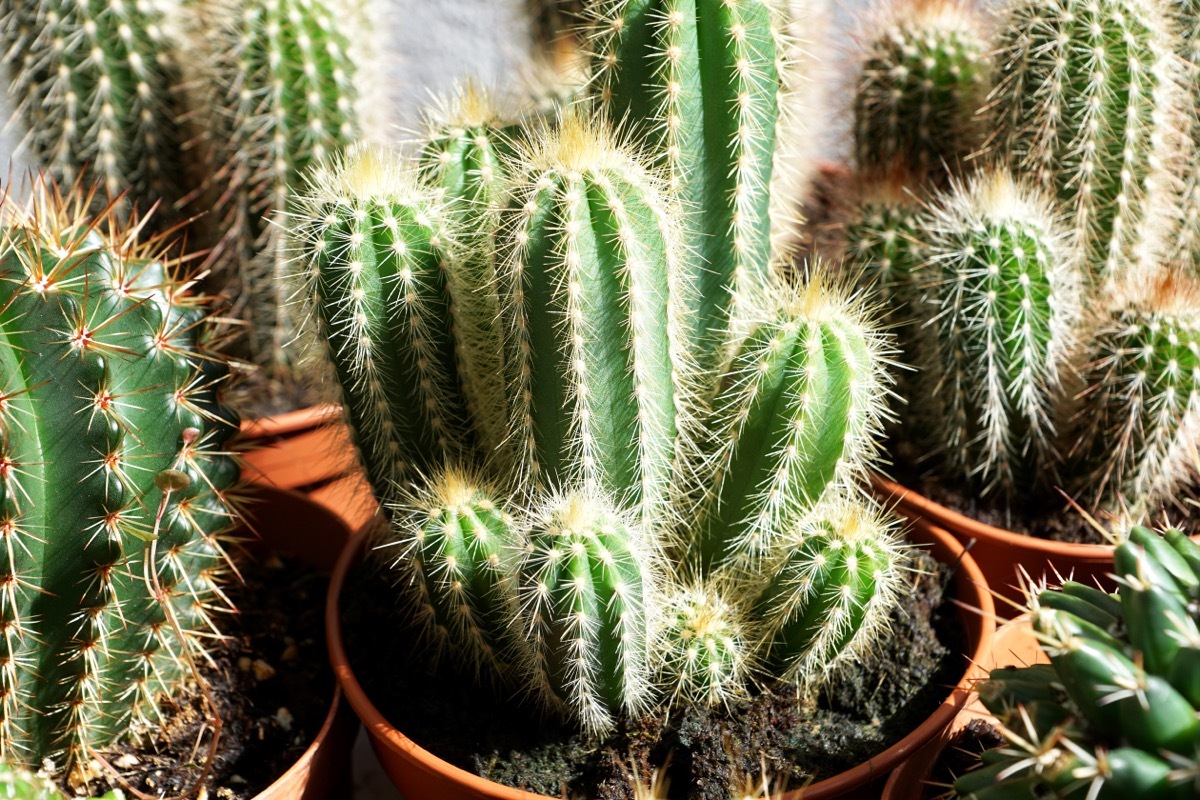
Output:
x,y
113,481
922,83
1186,15
703,648
94,81
1087,105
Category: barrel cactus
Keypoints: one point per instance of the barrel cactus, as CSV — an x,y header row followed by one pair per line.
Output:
x,y
1114,714
703,648
114,480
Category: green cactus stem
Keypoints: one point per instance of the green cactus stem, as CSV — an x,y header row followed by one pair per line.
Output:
x,y
702,648
707,82
1186,15
113,478
94,83
1086,104
829,600
923,81
1004,295
588,588
799,411
589,264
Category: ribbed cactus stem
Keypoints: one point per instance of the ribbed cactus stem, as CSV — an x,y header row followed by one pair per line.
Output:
x,y
588,589
798,412
458,550
594,304
280,96
1005,297
707,81
830,598
924,79
703,648
883,240
373,250
95,83
1086,105
1143,385
464,156
1186,15
111,453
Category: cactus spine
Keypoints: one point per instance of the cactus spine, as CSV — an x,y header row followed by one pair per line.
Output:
x,y
589,262
923,80
1005,294
94,81
799,411
702,649
587,589
113,479
708,80
283,99
1186,14
373,244
1085,106
1144,392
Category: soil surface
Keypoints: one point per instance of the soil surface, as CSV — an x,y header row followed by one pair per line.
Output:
x,y
271,681
960,756
491,732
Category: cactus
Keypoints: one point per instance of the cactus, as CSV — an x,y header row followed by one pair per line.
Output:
x,y
94,82
923,80
17,784
1086,105
113,481
1186,14
281,95
829,598
1114,714
883,241
588,587
1005,296
707,82
799,411
373,249
1143,393
589,265
702,650
458,546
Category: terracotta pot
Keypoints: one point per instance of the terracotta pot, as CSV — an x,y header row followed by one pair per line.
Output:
x,y
290,522
1002,554
297,450
418,773
1014,645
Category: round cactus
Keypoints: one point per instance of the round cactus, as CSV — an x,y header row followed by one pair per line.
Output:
x,y
1004,297
1085,104
798,411
589,265
113,481
830,596
587,590
923,80
702,648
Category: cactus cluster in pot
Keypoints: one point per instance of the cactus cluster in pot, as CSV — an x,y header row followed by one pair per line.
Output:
x,y
1114,713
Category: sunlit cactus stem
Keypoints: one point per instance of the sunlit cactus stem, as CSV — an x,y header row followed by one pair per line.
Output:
x,y
112,452
1186,15
703,648
707,83
589,267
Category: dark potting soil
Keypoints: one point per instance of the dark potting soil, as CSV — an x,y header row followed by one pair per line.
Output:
x,y
489,732
271,681
960,756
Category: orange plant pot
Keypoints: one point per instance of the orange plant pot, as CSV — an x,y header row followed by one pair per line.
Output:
x,y
417,773
1014,645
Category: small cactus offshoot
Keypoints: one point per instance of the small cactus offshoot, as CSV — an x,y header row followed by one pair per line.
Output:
x,y
703,646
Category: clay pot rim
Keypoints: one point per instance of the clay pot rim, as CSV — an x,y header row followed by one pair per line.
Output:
x,y
290,422
300,769
970,581
939,515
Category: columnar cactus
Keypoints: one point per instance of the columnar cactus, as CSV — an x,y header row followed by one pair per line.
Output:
x,y
706,81
1084,104
1143,385
882,239
373,246
1004,293
1115,712
923,80
588,587
113,479
594,301
1186,14
458,548
94,82
828,599
703,648
281,96
799,411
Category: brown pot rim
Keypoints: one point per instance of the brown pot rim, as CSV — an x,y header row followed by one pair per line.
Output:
x,y
281,788
290,422
947,518
969,580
